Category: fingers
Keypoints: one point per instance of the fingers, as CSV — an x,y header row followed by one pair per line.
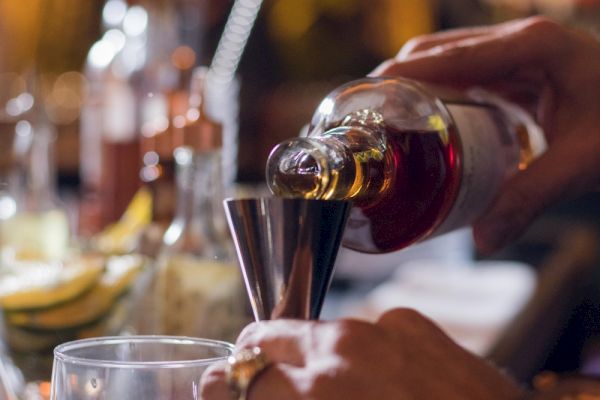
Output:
x,y
545,68
401,317
214,384
407,321
275,381
521,199
480,59
422,43
285,344
567,169
280,341
283,341
425,42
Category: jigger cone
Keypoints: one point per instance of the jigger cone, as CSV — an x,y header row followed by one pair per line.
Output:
x,y
286,249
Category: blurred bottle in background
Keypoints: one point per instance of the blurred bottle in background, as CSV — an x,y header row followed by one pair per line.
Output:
x,y
109,140
196,270
138,74
35,224
163,116
14,102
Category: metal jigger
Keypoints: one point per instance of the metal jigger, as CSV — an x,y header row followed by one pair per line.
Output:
x,y
286,249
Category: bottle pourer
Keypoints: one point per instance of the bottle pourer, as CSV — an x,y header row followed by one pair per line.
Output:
x,y
286,249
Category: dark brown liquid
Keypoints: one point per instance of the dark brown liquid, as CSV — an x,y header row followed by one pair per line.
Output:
x,y
425,181
158,173
7,134
120,177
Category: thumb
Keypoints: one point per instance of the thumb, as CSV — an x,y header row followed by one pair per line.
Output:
x,y
561,171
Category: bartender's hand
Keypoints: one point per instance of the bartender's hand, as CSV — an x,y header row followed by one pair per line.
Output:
x,y
551,71
402,356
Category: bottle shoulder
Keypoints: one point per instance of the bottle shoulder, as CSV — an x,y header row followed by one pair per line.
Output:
x,y
400,103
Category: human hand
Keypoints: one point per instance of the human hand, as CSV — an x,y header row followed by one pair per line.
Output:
x,y
551,71
402,356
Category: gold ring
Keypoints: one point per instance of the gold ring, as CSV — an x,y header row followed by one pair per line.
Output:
x,y
242,368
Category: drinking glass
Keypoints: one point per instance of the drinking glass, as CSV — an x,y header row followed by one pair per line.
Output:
x,y
134,367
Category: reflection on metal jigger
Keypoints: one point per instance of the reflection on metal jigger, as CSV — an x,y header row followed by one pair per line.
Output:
x,y
287,250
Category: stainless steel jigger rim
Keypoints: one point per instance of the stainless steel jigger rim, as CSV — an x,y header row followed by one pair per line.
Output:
x,y
340,203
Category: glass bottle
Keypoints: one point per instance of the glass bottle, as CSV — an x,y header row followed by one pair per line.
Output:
x,y
198,288
133,72
15,103
110,149
416,160
163,116
203,132
158,165
39,228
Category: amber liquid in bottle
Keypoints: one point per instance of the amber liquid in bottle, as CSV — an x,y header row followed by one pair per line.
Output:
x,y
120,176
419,193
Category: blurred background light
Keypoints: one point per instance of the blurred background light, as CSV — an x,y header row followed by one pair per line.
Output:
x,y
101,54
114,12
136,21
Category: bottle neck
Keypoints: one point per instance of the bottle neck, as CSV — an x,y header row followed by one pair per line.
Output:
x,y
32,180
194,174
346,162
198,195
201,132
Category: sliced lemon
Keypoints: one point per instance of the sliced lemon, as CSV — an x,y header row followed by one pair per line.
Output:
x,y
122,236
118,276
39,285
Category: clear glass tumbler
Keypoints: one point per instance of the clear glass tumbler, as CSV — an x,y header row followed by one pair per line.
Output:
x,y
134,367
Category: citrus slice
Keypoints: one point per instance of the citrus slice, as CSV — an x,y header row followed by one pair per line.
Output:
x,y
118,276
122,236
39,285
